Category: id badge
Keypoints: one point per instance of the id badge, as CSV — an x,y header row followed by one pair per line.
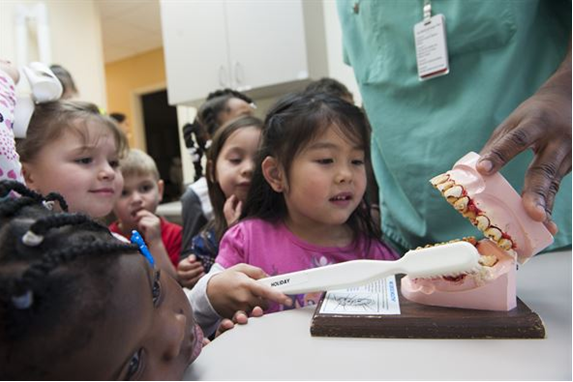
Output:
x,y
431,48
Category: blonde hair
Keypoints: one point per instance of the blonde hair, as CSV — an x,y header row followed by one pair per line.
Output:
x,y
138,163
50,120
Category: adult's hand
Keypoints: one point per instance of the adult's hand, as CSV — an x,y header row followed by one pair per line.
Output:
x,y
542,123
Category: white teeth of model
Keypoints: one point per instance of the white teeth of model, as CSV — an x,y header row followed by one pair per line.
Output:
x,y
482,222
505,244
455,192
494,233
462,204
444,186
439,179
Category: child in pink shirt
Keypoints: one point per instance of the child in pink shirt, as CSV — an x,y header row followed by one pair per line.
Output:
x,y
307,205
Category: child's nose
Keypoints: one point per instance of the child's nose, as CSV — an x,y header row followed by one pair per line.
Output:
x,y
107,172
344,174
248,168
175,336
136,197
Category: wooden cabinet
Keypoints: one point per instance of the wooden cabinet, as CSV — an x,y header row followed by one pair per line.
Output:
x,y
241,44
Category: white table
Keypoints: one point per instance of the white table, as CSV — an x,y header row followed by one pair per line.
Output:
x,y
279,346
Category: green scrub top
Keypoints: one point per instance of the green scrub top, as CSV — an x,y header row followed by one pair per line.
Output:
x,y
500,53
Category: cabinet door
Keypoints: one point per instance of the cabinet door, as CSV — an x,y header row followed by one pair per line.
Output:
x,y
266,42
195,48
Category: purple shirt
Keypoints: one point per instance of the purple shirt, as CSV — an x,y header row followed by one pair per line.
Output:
x,y
276,250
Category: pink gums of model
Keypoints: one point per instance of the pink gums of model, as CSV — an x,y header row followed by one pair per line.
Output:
x,y
496,209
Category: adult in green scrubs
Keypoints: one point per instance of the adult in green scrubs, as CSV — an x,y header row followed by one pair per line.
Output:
x,y
508,90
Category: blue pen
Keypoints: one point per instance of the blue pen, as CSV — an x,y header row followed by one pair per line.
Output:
x,y
137,239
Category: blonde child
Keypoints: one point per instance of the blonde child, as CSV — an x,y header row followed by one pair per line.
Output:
x,y
230,166
135,208
306,207
72,149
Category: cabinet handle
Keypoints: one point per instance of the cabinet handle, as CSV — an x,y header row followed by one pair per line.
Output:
x,y
239,74
222,76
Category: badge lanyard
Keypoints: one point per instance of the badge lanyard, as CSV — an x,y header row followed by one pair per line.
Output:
x,y
431,45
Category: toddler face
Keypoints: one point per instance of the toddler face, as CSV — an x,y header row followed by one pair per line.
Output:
x,y
86,173
326,182
235,163
140,192
148,332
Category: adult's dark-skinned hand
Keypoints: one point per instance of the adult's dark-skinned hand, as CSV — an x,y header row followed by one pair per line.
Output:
x,y
542,123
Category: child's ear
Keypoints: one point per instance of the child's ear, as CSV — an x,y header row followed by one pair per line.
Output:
x,y
28,177
160,188
210,172
273,174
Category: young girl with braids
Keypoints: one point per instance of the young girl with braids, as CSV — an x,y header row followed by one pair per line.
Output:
x,y
307,205
220,107
124,318
230,165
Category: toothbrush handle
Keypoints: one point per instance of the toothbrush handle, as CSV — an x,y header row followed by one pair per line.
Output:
x,y
335,276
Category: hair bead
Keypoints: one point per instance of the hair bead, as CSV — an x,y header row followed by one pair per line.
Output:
x,y
31,239
23,301
49,204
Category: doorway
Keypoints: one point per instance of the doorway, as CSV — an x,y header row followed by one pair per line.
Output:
x,y
162,137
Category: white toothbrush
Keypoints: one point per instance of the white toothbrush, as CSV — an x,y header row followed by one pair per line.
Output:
x,y
450,259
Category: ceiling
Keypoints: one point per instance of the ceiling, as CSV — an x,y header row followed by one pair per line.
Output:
x,y
129,27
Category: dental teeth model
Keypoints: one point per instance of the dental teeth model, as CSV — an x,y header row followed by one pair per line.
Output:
x,y
495,208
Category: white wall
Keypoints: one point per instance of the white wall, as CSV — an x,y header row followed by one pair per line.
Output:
x,y
76,42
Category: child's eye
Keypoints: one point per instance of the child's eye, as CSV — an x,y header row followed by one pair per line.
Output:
x,y
145,188
235,160
86,160
325,161
358,162
156,289
124,193
114,163
134,365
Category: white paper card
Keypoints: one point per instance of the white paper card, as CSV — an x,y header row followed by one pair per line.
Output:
x,y
431,48
377,298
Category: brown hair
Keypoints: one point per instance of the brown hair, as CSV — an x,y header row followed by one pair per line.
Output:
x,y
138,163
216,194
51,119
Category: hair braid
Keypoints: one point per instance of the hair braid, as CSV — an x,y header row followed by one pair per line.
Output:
x,y
42,225
7,186
11,207
196,130
59,198
35,274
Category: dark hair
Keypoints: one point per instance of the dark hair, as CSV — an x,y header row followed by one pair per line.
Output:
x,y
196,130
66,79
330,86
118,117
209,113
51,119
292,123
206,124
56,277
216,194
